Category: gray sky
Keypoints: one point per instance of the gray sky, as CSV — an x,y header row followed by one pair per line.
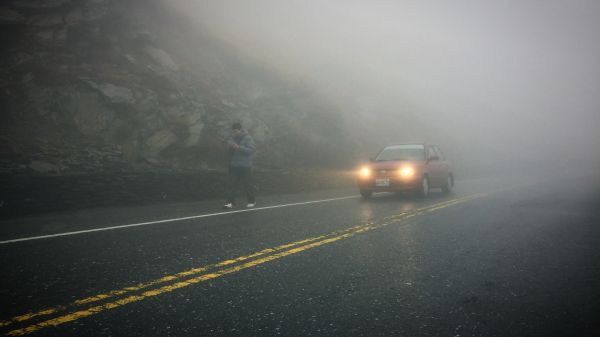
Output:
x,y
500,74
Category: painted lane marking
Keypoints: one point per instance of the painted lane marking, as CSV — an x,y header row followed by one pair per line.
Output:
x,y
173,220
337,235
193,271
140,286
168,288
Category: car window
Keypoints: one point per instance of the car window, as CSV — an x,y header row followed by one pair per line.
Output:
x,y
439,153
402,152
431,152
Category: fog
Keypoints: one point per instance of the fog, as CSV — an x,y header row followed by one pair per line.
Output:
x,y
510,83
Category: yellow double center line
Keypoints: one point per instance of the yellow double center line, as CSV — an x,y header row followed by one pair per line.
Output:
x,y
201,274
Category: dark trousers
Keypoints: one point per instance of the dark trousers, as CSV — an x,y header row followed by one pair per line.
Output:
x,y
240,176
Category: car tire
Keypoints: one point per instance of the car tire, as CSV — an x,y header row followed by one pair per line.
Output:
x,y
449,184
424,189
366,194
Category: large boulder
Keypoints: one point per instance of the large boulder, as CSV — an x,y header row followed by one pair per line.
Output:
x,y
90,116
195,131
161,57
189,122
159,141
114,93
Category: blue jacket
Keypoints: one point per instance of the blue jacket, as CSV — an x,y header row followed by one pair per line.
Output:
x,y
242,157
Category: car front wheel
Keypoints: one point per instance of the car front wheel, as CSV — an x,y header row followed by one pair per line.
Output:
x,y
424,189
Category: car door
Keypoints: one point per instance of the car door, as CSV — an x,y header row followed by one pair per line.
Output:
x,y
444,166
433,167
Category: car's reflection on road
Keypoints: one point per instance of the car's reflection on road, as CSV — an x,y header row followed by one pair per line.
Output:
x,y
404,202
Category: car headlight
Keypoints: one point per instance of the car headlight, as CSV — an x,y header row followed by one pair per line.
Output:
x,y
365,172
407,172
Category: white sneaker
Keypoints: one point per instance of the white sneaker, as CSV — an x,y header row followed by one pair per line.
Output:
x,y
251,204
228,206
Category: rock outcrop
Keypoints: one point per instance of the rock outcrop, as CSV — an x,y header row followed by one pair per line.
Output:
x,y
93,86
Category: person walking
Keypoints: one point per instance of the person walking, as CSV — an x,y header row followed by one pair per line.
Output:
x,y
241,148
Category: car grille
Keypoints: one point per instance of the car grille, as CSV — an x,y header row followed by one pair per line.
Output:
x,y
384,173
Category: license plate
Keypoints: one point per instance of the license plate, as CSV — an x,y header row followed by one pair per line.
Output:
x,y
382,182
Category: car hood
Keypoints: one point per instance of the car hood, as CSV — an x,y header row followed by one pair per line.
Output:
x,y
390,165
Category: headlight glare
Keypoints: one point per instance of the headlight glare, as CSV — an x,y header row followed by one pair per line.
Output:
x,y
365,172
407,172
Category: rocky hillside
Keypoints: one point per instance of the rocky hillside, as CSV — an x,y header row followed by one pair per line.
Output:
x,y
127,85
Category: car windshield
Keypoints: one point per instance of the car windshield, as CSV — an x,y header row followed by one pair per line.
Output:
x,y
402,152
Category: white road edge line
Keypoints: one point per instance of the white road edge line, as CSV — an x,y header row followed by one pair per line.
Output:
x,y
173,220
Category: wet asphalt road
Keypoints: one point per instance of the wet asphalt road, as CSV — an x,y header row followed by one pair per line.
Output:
x,y
494,258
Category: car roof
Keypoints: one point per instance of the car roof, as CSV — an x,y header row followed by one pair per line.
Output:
x,y
408,143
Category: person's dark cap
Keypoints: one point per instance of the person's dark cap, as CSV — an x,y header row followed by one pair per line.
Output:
x,y
236,126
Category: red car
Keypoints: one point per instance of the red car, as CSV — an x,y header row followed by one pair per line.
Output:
x,y
414,167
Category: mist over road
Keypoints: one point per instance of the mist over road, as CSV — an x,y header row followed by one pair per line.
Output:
x,y
114,145
495,258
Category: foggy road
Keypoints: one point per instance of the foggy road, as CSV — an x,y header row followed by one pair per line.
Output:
x,y
494,258
123,121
